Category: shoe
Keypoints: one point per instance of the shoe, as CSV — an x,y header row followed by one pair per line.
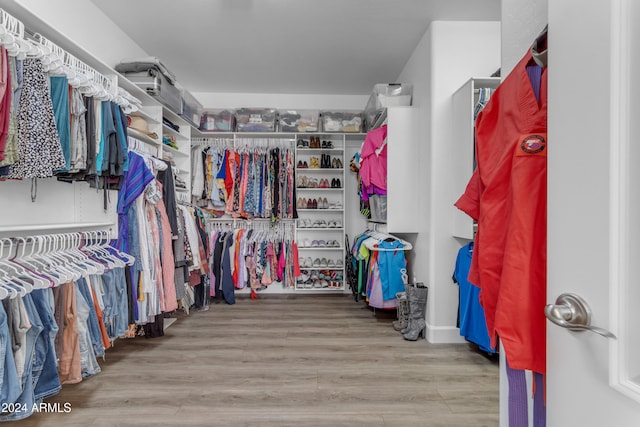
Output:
x,y
339,163
316,264
300,143
338,183
331,263
402,312
417,301
304,165
302,182
312,183
314,163
300,164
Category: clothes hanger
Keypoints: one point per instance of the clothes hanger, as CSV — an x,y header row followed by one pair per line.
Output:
x,y
539,48
84,248
125,257
34,270
53,264
91,266
67,263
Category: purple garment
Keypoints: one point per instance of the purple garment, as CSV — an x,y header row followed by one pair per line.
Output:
x,y
535,75
518,399
375,291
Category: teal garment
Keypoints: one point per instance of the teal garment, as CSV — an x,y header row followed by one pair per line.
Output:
x,y
121,133
101,144
59,89
391,262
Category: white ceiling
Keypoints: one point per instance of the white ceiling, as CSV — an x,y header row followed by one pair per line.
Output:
x,y
286,46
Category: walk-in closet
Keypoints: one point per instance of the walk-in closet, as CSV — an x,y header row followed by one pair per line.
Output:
x,y
354,213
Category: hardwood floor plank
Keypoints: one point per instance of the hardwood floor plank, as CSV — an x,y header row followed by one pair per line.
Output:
x,y
310,360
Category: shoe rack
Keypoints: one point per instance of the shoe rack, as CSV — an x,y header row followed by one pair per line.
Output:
x,y
320,180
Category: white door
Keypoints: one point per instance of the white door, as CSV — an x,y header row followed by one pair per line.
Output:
x,y
594,210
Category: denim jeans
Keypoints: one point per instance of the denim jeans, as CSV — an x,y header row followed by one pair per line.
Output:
x,y
122,319
9,382
116,312
88,362
26,400
45,367
92,322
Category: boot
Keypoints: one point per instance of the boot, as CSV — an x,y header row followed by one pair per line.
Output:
x,y
403,312
417,311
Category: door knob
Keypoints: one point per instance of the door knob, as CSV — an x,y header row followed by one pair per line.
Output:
x,y
572,312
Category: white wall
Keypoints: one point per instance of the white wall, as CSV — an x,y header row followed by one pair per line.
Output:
x,y
81,22
447,56
522,21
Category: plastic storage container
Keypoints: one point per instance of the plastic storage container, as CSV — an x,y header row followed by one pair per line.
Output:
x,y
191,108
383,96
217,121
256,120
342,121
157,85
298,120
378,207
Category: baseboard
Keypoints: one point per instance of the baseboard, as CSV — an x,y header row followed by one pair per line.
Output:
x,y
444,335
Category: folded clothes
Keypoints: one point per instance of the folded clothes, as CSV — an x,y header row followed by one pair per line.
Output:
x,y
221,120
255,120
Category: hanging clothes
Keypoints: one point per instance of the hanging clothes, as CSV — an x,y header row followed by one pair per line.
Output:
x,y
380,261
507,196
249,182
471,318
39,149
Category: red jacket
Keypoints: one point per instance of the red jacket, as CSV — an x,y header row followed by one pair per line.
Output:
x,y
507,195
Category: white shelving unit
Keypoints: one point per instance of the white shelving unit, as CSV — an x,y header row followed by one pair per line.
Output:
x,y
321,263
464,101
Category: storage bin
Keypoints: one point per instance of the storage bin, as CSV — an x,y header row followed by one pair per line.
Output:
x,y
191,108
157,85
255,120
342,121
298,120
378,207
383,96
217,121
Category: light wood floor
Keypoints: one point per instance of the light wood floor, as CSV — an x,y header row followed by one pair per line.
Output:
x,y
284,361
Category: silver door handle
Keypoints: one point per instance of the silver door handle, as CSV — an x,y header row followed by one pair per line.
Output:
x,y
572,312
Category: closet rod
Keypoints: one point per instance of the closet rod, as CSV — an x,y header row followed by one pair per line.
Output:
x,y
61,226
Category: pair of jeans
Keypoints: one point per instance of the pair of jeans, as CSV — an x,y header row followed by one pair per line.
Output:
x,y
9,382
45,367
88,363
92,321
116,312
25,402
